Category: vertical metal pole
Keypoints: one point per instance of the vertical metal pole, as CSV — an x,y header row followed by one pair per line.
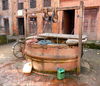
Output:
x,y
80,33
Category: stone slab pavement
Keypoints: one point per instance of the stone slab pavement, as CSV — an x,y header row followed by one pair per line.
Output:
x,y
11,71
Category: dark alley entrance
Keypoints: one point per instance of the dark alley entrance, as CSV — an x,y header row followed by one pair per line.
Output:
x,y
21,26
68,21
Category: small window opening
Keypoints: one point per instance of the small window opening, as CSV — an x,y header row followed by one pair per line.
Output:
x,y
32,3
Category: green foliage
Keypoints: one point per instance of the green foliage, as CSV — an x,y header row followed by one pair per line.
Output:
x,y
92,45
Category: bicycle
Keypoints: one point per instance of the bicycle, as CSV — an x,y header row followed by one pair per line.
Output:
x,y
19,46
18,49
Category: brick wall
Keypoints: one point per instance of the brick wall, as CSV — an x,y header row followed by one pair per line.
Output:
x,y
92,28
12,14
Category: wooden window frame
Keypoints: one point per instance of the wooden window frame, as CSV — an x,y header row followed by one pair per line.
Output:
x,y
5,4
20,6
46,3
32,4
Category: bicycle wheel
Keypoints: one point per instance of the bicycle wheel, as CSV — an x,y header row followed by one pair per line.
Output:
x,y
18,49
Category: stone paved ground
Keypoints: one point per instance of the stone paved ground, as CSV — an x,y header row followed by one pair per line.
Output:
x,y
11,71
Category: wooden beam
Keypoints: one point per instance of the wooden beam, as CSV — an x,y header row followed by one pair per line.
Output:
x,y
67,8
62,36
50,9
81,16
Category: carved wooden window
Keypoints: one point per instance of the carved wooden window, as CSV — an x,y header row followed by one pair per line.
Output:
x,y
47,3
32,3
47,25
5,5
33,26
20,4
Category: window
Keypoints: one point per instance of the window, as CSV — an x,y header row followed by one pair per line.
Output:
x,y
32,3
20,4
5,4
6,25
47,25
33,26
47,3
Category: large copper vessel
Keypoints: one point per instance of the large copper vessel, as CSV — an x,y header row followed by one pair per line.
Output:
x,y
50,57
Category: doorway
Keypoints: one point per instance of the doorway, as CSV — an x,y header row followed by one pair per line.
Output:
x,y
68,22
21,26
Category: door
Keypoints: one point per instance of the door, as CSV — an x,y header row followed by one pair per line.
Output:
x,y
90,28
68,22
21,26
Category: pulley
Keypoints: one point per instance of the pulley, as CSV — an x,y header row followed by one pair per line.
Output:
x,y
54,16
46,15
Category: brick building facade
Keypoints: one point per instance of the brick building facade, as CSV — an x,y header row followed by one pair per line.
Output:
x,y
5,17
14,18
91,17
